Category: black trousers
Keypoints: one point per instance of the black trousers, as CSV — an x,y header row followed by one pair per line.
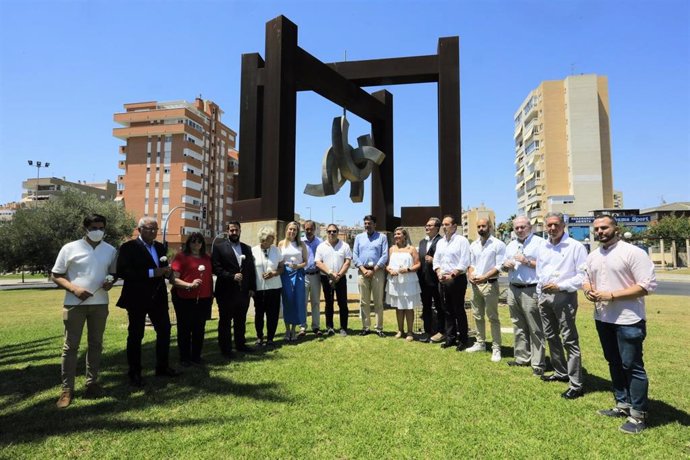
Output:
x,y
453,300
135,334
340,289
191,326
232,314
433,316
267,303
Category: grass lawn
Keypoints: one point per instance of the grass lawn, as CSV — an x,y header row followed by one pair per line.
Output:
x,y
27,276
351,397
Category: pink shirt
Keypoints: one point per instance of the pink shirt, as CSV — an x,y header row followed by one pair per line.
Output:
x,y
616,268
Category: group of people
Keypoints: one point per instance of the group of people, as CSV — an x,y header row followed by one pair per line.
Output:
x,y
544,277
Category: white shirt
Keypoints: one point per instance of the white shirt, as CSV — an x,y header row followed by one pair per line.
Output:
x,y
616,268
333,257
292,254
263,264
485,257
562,264
452,255
86,267
521,273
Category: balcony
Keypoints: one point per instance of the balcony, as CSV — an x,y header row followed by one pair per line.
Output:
x,y
122,150
122,164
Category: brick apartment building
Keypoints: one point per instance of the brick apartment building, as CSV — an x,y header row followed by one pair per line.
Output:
x,y
179,164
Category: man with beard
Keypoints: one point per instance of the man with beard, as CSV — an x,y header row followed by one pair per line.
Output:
x,y
619,275
370,257
486,257
312,279
233,265
432,313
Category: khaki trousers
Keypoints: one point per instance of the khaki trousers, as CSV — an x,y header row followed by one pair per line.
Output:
x,y
485,301
371,289
74,317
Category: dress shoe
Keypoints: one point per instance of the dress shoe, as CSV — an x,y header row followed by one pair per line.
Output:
x,y
380,333
437,338
93,391
365,332
572,393
461,347
447,344
65,399
424,338
537,372
136,381
168,372
517,364
554,378
318,333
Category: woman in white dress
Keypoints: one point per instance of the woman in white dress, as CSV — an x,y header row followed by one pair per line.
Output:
x,y
403,284
294,253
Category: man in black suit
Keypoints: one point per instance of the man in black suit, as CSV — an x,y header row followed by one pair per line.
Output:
x,y
143,265
233,265
432,313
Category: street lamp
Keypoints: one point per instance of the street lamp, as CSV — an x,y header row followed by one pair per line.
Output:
x,y
39,164
309,208
332,219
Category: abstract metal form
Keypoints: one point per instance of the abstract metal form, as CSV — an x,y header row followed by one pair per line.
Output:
x,y
343,163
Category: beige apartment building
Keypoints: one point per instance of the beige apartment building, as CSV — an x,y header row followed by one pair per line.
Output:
x,y
37,190
470,218
563,148
179,165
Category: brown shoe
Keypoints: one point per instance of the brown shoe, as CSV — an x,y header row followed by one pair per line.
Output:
x,y
65,399
93,391
438,338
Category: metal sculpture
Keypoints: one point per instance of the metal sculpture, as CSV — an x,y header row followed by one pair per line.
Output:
x,y
343,163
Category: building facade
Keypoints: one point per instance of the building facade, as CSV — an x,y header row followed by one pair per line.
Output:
x,y
179,166
563,148
41,189
470,218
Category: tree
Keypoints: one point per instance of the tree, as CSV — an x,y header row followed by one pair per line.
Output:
x,y
670,228
35,235
504,229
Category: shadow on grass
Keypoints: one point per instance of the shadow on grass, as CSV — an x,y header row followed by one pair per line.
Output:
x,y
26,350
28,416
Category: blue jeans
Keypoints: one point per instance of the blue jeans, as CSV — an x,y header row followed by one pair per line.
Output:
x,y
622,345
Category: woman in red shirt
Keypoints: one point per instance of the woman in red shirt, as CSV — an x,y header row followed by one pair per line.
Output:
x,y
192,297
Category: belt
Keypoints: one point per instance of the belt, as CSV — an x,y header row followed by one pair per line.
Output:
x,y
523,286
492,280
314,272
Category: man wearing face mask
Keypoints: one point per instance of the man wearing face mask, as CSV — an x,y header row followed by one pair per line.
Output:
x,y
143,265
83,268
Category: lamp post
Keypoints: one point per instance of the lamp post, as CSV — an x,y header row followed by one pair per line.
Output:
x,y
332,219
165,222
309,208
38,165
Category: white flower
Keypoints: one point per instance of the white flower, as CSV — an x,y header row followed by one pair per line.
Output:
x,y
163,260
242,257
109,278
582,268
202,268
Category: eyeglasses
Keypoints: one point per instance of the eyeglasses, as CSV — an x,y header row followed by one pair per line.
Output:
x,y
331,231
150,229
520,227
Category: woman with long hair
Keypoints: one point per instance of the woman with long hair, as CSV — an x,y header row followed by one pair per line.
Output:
x,y
295,257
192,296
269,265
403,285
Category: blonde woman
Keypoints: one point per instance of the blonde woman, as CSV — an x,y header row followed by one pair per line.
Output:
x,y
403,285
294,257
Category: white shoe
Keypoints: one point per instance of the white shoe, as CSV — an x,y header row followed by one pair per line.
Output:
x,y
478,346
496,355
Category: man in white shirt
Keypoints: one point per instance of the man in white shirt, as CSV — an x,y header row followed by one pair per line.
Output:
x,y
559,277
486,257
333,258
83,268
520,263
451,260
312,278
618,277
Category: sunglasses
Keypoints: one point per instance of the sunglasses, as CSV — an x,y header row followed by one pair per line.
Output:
x,y
331,231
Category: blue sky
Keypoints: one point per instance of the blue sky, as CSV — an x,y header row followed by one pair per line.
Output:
x,y
67,66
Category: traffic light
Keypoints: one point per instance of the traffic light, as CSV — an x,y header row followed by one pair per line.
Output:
x,y
203,212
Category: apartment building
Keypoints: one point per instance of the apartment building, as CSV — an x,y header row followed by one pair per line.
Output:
x,y
470,218
41,189
563,148
179,166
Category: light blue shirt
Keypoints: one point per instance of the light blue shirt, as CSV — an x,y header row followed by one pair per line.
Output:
x,y
371,250
311,250
522,274
151,248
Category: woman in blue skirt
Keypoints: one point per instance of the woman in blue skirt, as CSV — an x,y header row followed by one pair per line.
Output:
x,y
294,255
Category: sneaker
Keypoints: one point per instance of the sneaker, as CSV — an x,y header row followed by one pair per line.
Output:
x,y
478,346
409,338
615,412
302,332
399,335
633,425
496,355
65,399
330,331
93,391
343,333
438,338
424,338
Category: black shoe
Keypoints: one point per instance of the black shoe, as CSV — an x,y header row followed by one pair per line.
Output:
x,y
136,381
365,332
424,338
537,371
447,344
461,347
380,333
167,372
244,348
318,333
572,393
554,378
517,364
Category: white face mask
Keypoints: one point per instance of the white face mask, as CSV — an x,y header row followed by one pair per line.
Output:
x,y
95,235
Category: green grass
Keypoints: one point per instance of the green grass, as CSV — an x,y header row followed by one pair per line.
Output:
x,y
354,397
27,276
